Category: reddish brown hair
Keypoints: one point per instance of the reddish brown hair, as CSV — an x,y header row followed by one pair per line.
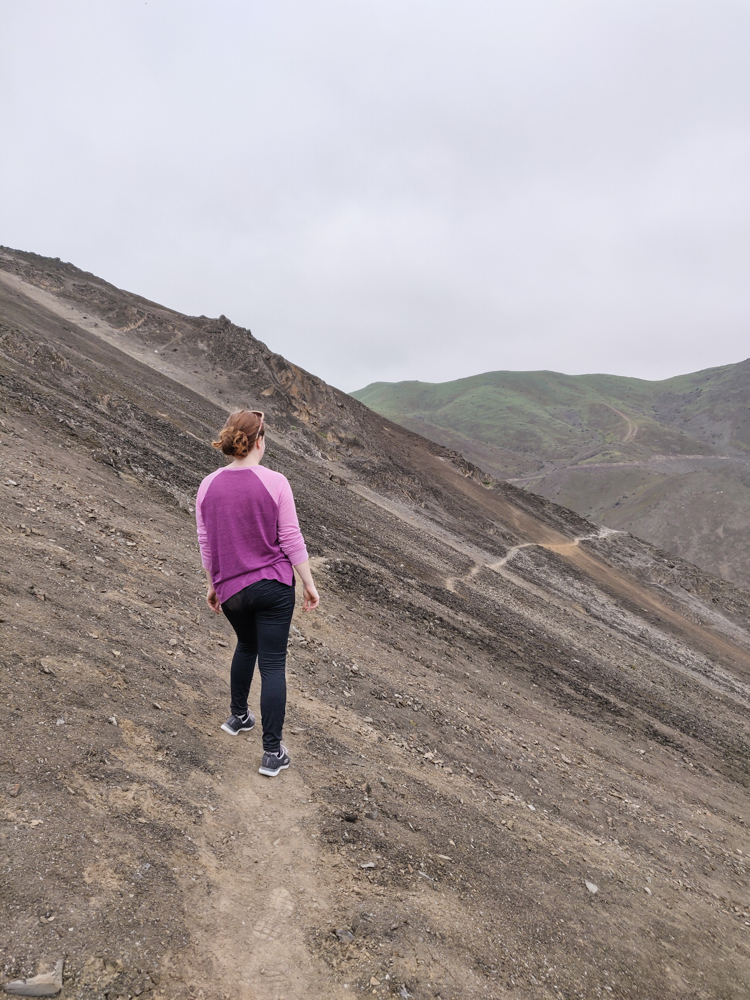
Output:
x,y
240,432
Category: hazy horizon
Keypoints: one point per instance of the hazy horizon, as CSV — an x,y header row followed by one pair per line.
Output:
x,y
540,371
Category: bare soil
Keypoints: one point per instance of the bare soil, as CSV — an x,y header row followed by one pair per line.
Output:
x,y
497,703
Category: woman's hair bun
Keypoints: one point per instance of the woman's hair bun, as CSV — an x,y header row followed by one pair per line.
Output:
x,y
232,442
239,433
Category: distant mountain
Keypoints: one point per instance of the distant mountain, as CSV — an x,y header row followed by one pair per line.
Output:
x,y
668,461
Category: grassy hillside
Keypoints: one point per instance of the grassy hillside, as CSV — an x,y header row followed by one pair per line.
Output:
x,y
666,460
546,418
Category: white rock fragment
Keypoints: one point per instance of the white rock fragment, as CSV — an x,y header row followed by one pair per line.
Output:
x,y
47,984
591,887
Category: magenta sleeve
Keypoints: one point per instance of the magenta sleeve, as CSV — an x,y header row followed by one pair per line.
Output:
x,y
200,525
290,537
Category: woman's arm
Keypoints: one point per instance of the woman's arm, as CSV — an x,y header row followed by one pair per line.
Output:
x,y
211,599
311,598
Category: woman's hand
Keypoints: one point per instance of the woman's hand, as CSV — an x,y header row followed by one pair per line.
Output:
x,y
212,600
310,597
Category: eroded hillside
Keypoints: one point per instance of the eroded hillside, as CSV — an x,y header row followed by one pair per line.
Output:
x,y
497,703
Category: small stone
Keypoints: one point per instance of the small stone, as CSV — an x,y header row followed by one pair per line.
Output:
x,y
172,642
116,653
591,887
112,720
648,890
374,981
156,705
368,864
220,643
344,934
367,719
13,790
564,759
46,669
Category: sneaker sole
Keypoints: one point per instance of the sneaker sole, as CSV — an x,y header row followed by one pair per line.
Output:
x,y
270,773
236,732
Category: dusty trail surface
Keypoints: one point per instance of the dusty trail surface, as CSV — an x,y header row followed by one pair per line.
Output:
x,y
497,703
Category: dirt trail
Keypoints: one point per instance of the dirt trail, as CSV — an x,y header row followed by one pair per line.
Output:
x,y
560,547
711,643
733,647
253,932
632,426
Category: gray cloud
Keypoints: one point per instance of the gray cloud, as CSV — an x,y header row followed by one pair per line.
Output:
x,y
398,190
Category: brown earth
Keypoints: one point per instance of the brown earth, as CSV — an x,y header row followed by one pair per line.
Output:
x,y
497,702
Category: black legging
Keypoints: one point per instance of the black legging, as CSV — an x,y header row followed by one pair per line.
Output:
x,y
261,615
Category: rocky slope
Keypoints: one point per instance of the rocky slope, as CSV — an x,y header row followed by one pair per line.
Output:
x,y
668,461
520,746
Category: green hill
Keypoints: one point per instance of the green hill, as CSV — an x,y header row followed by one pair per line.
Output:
x,y
668,460
531,420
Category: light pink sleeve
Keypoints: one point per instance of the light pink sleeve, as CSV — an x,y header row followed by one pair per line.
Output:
x,y
290,537
202,533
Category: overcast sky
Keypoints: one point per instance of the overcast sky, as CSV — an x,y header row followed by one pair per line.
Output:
x,y
393,189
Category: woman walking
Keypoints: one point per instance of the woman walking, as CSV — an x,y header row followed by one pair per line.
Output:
x,y
249,540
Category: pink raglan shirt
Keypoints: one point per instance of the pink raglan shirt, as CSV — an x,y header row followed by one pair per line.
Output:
x,y
247,528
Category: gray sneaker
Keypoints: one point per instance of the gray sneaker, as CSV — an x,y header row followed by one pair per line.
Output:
x,y
272,763
237,724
